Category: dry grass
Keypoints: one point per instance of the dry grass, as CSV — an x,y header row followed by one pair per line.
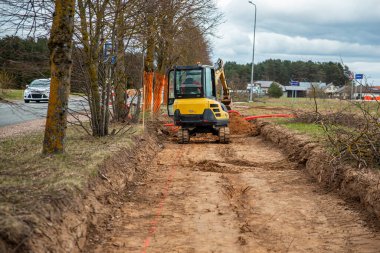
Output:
x,y
23,167
28,179
350,129
289,105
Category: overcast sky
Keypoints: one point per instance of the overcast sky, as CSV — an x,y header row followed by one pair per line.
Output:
x,y
317,30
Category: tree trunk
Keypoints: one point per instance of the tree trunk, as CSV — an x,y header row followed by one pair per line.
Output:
x,y
149,64
121,111
60,45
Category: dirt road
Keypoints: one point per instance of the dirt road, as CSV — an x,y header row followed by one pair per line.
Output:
x,y
241,197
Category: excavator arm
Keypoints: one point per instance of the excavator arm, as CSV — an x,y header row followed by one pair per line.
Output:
x,y
219,75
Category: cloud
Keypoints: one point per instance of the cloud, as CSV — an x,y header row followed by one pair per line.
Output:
x,y
268,43
318,30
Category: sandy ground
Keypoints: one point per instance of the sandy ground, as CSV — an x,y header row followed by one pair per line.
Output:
x,y
241,197
31,126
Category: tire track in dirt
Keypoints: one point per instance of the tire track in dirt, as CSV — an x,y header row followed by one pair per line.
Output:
x,y
241,197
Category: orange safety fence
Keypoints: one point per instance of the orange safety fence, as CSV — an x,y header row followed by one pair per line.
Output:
x,y
159,84
148,89
371,98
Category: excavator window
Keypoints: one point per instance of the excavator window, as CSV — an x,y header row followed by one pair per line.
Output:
x,y
188,83
210,83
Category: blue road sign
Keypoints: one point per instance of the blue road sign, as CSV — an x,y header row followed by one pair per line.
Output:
x,y
295,83
359,76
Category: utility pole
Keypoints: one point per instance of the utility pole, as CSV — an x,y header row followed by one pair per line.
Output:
x,y
352,90
253,54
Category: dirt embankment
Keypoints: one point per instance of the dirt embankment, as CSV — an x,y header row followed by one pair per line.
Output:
x,y
65,224
362,185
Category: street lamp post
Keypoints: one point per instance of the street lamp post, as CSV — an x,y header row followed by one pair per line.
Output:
x,y
253,53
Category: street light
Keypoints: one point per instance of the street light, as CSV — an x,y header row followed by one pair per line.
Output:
x,y
253,53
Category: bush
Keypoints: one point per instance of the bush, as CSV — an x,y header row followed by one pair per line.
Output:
x,y
275,91
6,80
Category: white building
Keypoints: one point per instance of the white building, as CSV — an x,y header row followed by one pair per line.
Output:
x,y
261,87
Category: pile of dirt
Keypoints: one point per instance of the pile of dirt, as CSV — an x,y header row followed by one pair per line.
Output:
x,y
157,128
239,126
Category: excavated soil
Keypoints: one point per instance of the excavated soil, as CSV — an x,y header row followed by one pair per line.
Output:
x,y
246,196
239,126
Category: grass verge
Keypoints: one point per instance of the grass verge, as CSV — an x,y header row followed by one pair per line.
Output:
x,y
11,94
290,105
29,180
314,131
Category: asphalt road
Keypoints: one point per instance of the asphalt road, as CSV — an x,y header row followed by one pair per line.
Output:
x,y
18,112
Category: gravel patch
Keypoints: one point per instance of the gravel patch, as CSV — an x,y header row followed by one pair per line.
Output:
x,y
22,128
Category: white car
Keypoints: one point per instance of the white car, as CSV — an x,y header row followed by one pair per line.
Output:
x,y
38,90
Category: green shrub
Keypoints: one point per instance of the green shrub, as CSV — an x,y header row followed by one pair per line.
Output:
x,y
275,91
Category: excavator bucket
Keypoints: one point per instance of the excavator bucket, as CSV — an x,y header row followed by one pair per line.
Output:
x,y
227,103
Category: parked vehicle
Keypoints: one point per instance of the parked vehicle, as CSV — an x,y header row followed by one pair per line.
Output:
x,y
38,90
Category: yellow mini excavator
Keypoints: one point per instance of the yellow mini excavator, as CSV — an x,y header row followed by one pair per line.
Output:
x,y
193,104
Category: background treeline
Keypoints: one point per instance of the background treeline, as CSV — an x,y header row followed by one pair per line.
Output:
x,y
24,59
283,71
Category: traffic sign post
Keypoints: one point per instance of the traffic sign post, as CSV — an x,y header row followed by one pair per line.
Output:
x,y
360,77
107,49
294,92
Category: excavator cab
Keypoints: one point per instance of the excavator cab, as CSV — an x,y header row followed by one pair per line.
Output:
x,y
193,105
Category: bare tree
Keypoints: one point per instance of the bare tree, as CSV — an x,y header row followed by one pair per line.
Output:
x,y
26,17
92,36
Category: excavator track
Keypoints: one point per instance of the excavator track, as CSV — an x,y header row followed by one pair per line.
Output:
x,y
224,135
183,136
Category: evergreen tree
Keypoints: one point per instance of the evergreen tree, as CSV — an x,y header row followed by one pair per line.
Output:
x,y
275,91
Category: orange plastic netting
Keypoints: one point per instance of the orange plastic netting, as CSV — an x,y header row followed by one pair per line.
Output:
x,y
153,94
148,88
159,85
